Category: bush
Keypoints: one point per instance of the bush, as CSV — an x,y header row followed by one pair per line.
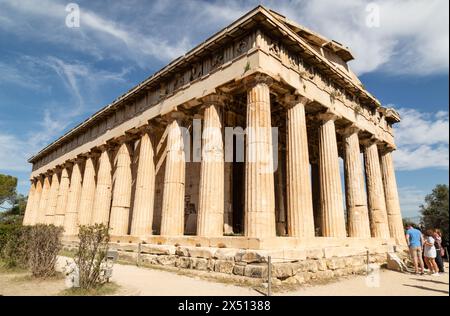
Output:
x,y
15,253
7,229
44,244
91,255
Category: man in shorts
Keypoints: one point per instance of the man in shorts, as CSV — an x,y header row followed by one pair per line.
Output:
x,y
415,242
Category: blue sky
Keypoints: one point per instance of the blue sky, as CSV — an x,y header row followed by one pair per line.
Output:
x,y
53,77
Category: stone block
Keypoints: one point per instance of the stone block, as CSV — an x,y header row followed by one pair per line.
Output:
x,y
312,266
238,269
291,280
201,252
166,260
283,270
255,270
324,275
250,256
322,265
314,253
127,256
149,259
224,266
182,251
183,262
158,249
199,263
225,254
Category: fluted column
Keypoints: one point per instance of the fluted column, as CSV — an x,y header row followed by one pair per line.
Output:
x,y
259,179
102,200
375,191
299,194
172,217
87,193
43,203
63,194
121,199
73,200
356,199
392,201
30,201
211,206
52,199
34,211
228,193
144,197
333,219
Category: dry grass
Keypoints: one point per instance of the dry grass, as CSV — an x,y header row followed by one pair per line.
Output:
x,y
106,289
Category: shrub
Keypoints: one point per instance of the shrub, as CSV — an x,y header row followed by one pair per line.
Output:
x,y
91,255
15,253
44,244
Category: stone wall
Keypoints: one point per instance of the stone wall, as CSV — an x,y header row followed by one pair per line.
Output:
x,y
311,263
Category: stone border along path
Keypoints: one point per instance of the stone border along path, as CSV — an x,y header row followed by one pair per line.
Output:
x,y
148,281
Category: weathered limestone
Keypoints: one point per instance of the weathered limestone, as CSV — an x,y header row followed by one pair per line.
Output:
x,y
172,217
52,199
356,199
102,200
30,203
36,201
141,225
211,206
299,194
87,193
73,200
333,221
63,193
121,200
259,180
392,201
375,192
44,200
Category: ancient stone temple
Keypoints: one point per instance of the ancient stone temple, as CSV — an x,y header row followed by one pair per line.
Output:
x,y
259,139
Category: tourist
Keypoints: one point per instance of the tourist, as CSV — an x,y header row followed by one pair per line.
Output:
x,y
415,243
429,251
440,252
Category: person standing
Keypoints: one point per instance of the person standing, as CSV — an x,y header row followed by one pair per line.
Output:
x,y
439,249
414,240
429,252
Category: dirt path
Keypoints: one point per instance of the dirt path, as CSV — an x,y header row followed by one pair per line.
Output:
x,y
21,283
389,283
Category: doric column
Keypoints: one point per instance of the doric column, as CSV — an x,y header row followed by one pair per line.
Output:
x,y
211,205
102,200
172,217
230,120
392,201
52,199
259,179
63,194
121,199
43,203
356,199
87,192
299,194
36,201
144,197
375,192
30,201
73,200
333,218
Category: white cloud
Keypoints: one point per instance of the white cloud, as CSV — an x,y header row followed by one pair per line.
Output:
x,y
422,140
410,200
98,36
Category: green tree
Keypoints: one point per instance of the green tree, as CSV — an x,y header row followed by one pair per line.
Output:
x,y
435,210
8,185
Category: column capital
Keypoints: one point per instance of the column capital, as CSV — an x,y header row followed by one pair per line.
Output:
x,y
259,78
386,148
327,116
218,99
350,129
292,99
369,141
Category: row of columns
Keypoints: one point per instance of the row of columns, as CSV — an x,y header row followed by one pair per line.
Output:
x,y
80,195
